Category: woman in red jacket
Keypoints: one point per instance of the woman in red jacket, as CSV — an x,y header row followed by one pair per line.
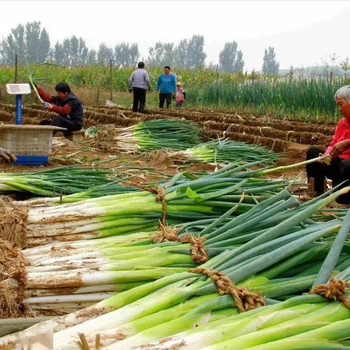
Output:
x,y
339,149
66,105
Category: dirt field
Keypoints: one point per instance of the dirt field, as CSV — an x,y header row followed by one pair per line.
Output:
x,y
287,137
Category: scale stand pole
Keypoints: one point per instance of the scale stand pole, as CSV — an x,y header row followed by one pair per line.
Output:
x,y
18,109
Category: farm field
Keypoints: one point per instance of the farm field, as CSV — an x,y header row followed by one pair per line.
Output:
x,y
307,99
289,138
219,222
138,287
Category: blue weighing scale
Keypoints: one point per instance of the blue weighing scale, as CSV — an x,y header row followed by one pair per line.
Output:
x,y
19,90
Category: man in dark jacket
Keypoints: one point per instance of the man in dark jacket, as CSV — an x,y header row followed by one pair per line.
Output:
x,y
66,105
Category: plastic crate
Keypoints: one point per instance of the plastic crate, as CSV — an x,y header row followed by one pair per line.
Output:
x,y
31,160
31,144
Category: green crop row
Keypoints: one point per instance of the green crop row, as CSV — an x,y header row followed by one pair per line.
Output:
x,y
298,98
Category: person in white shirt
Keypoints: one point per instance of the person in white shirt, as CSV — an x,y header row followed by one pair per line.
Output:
x,y
138,83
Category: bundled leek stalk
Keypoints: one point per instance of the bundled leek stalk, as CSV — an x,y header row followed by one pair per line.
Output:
x,y
82,265
227,151
146,136
104,190
109,265
185,200
254,264
66,180
308,322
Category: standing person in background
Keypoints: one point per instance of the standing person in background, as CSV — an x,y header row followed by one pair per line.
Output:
x,y
66,105
180,95
138,83
167,87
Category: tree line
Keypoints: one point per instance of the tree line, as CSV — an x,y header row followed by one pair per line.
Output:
x,y
32,44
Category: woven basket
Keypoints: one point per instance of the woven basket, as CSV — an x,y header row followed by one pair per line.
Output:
x,y
31,140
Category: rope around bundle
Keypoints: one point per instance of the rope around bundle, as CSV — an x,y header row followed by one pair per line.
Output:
x,y
12,269
160,196
335,290
166,233
244,299
13,222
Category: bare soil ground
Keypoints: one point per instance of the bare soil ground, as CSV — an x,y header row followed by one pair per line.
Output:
x,y
290,138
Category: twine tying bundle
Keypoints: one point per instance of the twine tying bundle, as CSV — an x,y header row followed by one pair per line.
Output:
x,y
170,234
244,299
160,196
12,268
13,222
335,290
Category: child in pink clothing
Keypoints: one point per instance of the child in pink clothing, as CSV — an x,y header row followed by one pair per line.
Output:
x,y
180,95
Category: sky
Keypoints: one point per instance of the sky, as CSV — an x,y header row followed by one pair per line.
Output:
x,y
303,33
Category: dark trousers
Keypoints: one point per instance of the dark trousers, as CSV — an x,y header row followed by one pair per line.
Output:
x,y
163,98
338,171
139,98
63,122
179,104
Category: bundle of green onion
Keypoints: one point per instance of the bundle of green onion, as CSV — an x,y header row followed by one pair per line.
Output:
x,y
109,265
146,136
227,151
279,254
186,200
66,180
108,189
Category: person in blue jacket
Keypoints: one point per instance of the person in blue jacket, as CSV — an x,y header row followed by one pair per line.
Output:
x,y
166,86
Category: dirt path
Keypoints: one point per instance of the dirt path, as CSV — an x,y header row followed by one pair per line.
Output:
x,y
290,138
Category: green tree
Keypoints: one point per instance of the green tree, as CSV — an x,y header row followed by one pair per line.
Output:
x,y
72,52
126,55
57,53
104,54
270,65
30,42
239,62
44,50
231,60
161,54
33,32
180,58
195,52
92,57
78,51
345,65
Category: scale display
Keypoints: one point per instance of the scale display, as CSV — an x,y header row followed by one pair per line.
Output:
x,y
18,89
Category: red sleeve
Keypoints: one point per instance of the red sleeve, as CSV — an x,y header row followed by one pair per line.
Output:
x,y
335,138
44,95
65,110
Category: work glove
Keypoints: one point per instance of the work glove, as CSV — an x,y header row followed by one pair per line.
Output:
x,y
47,105
7,156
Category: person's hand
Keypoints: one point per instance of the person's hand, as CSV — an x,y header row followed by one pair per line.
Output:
x,y
47,105
156,92
130,90
7,156
174,94
340,147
